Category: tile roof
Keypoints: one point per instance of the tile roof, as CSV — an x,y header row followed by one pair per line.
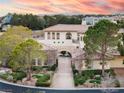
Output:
x,y
67,28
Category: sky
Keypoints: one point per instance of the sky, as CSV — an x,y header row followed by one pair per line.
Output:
x,y
61,6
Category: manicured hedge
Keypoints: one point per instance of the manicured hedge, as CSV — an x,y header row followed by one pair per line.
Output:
x,y
18,75
43,80
95,81
42,77
42,84
81,78
48,68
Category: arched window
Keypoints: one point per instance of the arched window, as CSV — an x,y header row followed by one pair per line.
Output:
x,y
53,35
81,38
78,37
58,35
48,35
68,36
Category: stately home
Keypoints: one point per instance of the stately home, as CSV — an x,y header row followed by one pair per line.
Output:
x,y
68,38
65,37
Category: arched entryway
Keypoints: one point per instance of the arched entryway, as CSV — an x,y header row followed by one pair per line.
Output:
x,y
65,54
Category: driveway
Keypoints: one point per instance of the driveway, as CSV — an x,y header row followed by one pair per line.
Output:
x,y
63,78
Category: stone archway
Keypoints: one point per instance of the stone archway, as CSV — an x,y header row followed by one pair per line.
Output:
x,y
65,54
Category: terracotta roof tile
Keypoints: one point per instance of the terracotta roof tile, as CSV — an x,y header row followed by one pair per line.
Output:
x,y
67,28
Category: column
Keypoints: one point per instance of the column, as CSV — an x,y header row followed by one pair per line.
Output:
x,y
36,61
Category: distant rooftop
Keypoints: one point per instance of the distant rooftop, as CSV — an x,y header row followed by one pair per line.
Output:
x,y
67,28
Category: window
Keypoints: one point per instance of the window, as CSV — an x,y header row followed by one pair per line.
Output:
x,y
58,35
81,38
68,36
48,35
78,37
53,35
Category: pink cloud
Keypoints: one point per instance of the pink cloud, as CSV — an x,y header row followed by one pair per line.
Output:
x,y
63,6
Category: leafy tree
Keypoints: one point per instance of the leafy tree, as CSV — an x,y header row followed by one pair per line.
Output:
x,y
121,23
121,42
101,38
24,53
31,21
10,39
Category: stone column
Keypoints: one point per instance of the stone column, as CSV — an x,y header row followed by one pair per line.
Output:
x,y
42,63
36,61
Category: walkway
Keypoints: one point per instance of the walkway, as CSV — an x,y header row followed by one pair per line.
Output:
x,y
63,78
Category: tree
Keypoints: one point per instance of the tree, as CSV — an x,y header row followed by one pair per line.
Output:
x,y
101,38
24,54
10,39
28,20
121,44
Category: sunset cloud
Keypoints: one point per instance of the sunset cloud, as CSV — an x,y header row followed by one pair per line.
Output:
x,y
62,6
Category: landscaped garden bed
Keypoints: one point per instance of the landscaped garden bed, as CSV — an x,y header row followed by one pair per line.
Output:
x,y
14,76
41,76
93,78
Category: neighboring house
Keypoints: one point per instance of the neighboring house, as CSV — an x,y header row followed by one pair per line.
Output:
x,y
94,20
5,22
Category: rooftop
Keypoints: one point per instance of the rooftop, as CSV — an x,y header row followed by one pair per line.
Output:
x,y
67,28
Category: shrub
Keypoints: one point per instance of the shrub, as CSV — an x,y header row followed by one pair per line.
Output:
x,y
18,75
35,68
10,78
117,83
88,73
43,84
112,73
82,80
121,49
49,68
79,80
42,77
75,71
98,78
53,67
95,81
43,80
4,76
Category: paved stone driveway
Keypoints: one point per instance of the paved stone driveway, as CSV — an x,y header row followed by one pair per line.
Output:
x,y
63,78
